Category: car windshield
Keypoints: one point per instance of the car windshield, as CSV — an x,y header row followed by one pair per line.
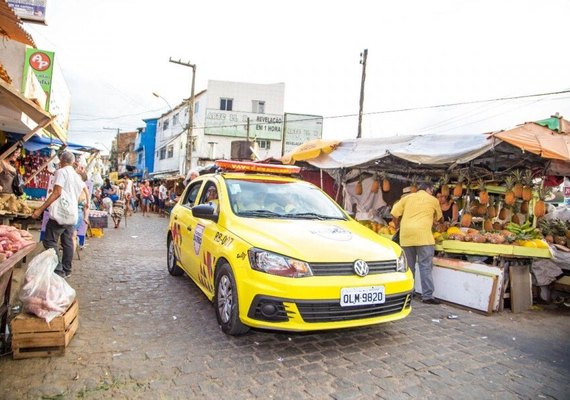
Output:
x,y
285,200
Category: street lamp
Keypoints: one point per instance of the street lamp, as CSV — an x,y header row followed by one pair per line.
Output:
x,y
190,114
160,97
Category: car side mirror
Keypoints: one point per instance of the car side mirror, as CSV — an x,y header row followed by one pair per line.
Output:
x,y
205,211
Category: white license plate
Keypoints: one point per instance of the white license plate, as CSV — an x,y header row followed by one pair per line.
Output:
x,y
362,296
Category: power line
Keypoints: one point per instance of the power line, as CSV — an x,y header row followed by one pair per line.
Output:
x,y
498,99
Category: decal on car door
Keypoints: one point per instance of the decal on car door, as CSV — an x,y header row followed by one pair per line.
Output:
x,y
198,233
206,276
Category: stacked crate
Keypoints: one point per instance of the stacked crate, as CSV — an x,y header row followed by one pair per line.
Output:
x,y
34,337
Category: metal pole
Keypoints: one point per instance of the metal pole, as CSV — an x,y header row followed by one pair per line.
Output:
x,y
363,56
190,116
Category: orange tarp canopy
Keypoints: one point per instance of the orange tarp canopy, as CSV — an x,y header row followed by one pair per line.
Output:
x,y
538,140
309,150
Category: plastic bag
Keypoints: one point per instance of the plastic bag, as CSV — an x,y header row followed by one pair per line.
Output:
x,y
45,293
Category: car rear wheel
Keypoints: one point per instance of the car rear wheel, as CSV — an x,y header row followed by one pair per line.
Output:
x,y
226,302
171,262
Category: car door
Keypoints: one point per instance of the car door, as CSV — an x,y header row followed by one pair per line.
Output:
x,y
204,244
186,226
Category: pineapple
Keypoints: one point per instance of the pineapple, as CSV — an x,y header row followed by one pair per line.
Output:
x,y
385,182
518,186
445,185
458,189
466,217
527,186
483,194
491,210
524,207
358,187
540,206
375,184
509,193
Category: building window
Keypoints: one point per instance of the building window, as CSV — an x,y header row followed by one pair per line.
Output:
x,y
175,119
163,153
226,104
196,107
165,124
264,144
170,151
258,106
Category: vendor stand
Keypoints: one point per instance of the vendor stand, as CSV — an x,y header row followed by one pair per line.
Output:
x,y
467,270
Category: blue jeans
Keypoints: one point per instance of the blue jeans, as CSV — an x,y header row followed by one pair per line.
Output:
x,y
424,257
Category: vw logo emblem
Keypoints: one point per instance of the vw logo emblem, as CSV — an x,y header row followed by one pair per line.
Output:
x,y
361,268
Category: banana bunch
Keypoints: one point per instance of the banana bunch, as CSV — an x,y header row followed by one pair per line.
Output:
x,y
525,231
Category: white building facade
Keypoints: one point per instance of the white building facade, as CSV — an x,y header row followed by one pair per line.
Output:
x,y
224,113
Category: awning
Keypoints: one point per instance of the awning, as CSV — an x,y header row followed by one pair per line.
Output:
x,y
310,150
423,149
10,25
13,104
164,174
39,143
538,139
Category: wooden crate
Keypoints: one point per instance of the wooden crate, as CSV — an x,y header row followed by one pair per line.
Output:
x,y
33,337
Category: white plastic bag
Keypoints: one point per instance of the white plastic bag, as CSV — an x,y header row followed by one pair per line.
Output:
x,y
64,209
45,293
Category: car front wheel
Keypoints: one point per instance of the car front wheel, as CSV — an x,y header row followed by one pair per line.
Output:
x,y
226,302
171,262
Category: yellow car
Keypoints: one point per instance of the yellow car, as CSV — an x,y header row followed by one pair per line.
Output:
x,y
276,252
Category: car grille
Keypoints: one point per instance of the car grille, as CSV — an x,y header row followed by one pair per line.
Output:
x,y
328,311
330,269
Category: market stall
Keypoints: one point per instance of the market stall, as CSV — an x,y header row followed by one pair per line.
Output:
x,y
499,185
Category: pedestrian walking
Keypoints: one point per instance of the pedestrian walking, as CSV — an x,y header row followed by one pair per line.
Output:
x,y
67,183
128,194
162,197
415,215
146,197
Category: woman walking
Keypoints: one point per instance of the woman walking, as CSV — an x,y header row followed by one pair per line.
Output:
x,y
146,195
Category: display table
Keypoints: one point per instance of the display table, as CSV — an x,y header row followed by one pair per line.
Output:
x,y
489,249
6,270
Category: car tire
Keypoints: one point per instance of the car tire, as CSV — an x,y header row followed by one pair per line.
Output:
x,y
171,261
226,302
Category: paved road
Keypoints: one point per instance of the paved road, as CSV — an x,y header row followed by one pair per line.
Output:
x,y
146,335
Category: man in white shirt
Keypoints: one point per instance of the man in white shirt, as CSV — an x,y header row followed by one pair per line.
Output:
x,y
128,194
162,196
64,179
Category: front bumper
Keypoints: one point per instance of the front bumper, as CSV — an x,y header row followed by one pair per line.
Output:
x,y
307,315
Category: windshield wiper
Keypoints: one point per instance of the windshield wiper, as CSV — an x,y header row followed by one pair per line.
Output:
x,y
259,213
310,215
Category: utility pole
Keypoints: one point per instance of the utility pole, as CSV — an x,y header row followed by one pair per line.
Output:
x,y
363,57
190,114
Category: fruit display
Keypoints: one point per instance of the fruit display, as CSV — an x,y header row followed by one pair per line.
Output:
x,y
381,229
555,231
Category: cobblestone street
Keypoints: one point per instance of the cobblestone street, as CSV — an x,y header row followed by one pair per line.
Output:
x,y
144,334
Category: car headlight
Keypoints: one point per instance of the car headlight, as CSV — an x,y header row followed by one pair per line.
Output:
x,y
275,264
401,263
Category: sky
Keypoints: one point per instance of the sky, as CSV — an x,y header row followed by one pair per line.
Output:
x,y
115,53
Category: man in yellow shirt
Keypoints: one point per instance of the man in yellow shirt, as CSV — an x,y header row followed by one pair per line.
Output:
x,y
415,215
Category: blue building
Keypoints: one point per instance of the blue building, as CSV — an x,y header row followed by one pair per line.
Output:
x,y
145,146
